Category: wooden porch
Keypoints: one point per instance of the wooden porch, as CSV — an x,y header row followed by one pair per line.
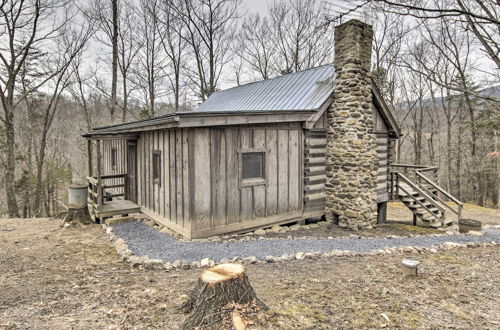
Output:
x,y
108,194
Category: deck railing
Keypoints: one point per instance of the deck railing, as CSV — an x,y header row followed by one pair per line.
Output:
x,y
100,189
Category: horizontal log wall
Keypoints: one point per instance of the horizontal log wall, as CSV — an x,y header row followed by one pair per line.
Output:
x,y
219,203
314,172
167,200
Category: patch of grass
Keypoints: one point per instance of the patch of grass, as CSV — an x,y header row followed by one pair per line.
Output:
x,y
450,259
397,205
413,229
412,320
476,208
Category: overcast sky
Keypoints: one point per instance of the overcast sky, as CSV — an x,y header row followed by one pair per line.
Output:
x,y
256,5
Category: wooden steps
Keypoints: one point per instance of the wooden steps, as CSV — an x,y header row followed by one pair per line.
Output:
x,y
422,200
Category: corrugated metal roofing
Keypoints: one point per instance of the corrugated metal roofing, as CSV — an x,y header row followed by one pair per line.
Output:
x,y
303,90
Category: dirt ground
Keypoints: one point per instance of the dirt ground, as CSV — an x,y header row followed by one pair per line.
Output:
x,y
53,278
400,213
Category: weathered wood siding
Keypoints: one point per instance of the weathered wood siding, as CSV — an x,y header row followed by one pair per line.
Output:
x,y
219,203
121,162
378,121
321,122
168,199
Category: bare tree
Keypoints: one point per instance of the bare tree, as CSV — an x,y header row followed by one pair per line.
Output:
x,y
128,47
210,28
150,62
117,25
482,17
114,47
80,90
24,26
390,33
302,40
68,46
171,32
256,45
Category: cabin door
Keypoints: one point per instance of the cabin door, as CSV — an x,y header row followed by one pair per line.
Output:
x,y
132,171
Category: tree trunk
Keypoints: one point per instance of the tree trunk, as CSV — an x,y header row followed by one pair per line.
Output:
x,y
114,64
125,99
219,290
39,174
11,168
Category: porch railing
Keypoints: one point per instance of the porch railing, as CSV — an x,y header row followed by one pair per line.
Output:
x,y
100,189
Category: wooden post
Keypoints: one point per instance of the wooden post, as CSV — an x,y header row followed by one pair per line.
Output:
x,y
89,150
414,219
125,186
392,187
99,173
397,184
381,212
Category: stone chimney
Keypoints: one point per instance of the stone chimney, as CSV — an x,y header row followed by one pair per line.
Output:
x,y
351,159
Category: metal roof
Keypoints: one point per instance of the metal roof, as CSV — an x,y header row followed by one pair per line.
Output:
x,y
303,90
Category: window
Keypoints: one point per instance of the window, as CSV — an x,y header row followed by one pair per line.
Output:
x,y
156,166
252,167
113,158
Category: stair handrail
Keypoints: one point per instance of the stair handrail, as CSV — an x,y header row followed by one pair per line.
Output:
x,y
421,204
418,189
452,198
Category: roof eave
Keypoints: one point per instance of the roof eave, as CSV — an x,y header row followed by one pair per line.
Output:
x,y
201,119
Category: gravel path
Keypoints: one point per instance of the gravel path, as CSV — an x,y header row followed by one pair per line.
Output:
x,y
144,240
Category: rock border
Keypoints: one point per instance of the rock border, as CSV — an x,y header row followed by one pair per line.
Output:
x,y
158,264
259,233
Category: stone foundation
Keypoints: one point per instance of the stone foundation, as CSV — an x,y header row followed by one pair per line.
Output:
x,y
351,162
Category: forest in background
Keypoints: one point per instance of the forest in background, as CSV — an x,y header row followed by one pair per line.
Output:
x,y
67,66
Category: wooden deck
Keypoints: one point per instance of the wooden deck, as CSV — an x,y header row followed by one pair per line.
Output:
x,y
117,207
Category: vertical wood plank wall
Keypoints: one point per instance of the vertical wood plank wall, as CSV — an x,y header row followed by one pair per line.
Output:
x,y
121,162
168,198
219,203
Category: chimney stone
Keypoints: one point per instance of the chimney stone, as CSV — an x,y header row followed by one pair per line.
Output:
x,y
351,158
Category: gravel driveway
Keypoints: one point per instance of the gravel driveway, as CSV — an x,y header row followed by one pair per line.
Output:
x,y
144,240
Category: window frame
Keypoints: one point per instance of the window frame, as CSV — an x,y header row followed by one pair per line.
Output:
x,y
156,154
114,158
253,181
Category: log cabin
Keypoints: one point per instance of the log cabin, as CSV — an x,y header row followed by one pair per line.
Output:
x,y
300,146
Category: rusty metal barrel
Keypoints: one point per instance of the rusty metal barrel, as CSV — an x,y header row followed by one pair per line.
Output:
x,y
77,196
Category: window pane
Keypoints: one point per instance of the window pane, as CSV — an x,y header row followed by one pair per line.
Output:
x,y
156,165
113,157
253,165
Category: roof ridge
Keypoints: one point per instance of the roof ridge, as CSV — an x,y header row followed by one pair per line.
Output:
x,y
273,78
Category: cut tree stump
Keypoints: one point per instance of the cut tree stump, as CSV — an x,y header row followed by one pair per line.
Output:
x,y
80,216
223,293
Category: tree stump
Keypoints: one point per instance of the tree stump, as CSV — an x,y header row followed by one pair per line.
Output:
x,y
78,216
223,292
